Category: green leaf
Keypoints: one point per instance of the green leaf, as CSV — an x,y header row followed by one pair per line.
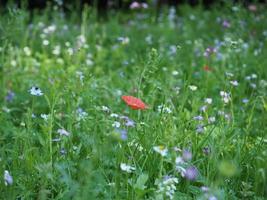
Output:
x,y
141,181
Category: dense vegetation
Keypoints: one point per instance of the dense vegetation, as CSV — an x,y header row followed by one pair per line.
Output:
x,y
66,132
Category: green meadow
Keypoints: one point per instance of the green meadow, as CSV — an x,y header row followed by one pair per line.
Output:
x,y
66,131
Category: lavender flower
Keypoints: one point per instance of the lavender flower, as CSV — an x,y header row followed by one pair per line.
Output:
x,y
198,118
10,96
200,128
187,155
206,150
123,134
129,123
226,24
8,178
191,173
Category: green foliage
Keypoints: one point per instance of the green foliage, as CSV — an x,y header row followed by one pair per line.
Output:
x,y
79,140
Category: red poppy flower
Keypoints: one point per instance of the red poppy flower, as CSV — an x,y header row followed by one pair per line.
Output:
x,y
207,68
134,103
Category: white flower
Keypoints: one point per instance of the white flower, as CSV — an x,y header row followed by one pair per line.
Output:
x,y
208,100
116,124
229,74
13,63
105,109
44,116
56,50
70,51
81,114
45,42
163,151
124,40
89,62
114,115
35,91
63,132
27,51
254,76
164,109
203,108
225,96
179,160
234,83
211,120
175,73
8,178
167,186
193,87
144,5
127,168
253,85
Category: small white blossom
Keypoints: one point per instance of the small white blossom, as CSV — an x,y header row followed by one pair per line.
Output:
x,y
163,151
81,114
105,109
127,168
254,76
234,83
63,132
45,42
167,186
211,120
124,40
175,73
56,50
35,91
253,85
114,115
13,63
225,96
27,51
193,87
44,116
208,100
203,108
229,74
164,109
116,124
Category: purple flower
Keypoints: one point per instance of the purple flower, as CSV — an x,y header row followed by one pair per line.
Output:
x,y
8,178
187,155
191,173
10,96
63,151
123,134
205,188
226,24
200,128
206,150
245,101
198,118
209,51
129,123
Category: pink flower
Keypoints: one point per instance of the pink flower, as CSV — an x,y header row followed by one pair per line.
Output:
x,y
135,5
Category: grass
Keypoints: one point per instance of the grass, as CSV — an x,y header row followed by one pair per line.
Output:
x,y
70,142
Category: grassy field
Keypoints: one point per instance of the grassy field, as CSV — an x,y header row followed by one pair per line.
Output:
x,y
66,133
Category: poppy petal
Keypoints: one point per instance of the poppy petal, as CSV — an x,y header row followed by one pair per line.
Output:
x,y
134,102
